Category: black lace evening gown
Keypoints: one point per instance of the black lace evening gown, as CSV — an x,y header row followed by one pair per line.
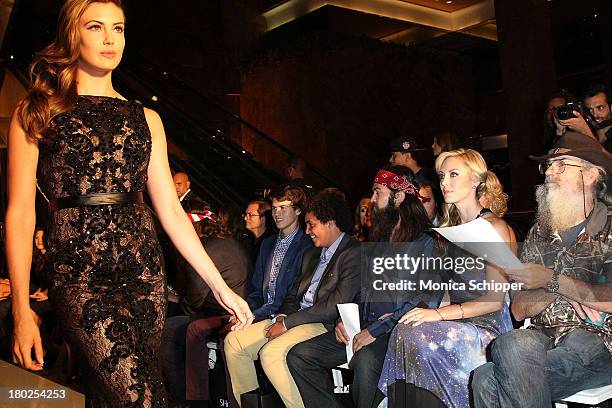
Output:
x,y
107,285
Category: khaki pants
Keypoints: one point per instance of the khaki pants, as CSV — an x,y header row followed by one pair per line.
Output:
x,y
242,348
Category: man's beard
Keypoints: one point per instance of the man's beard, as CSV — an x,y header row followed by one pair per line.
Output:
x,y
604,123
557,206
384,221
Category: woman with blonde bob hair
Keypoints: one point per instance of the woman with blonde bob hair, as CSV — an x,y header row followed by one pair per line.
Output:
x,y
97,153
431,355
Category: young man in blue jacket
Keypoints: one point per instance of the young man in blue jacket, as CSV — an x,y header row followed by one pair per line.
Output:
x,y
280,256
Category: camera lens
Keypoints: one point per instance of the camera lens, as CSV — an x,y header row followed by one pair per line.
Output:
x,y
564,112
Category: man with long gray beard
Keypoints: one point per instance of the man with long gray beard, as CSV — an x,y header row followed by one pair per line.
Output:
x,y
398,216
568,275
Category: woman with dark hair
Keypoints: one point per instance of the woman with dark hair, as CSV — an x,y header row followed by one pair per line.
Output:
x,y
97,153
444,142
429,196
433,350
363,219
230,217
39,278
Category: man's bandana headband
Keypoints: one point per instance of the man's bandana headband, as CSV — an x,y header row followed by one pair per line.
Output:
x,y
199,217
398,183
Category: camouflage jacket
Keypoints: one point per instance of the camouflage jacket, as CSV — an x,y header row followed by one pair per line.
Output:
x,y
588,259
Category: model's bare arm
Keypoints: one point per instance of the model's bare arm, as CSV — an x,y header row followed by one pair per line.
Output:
x,y
20,223
178,226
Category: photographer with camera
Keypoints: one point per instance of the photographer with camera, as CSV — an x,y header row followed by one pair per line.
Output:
x,y
592,117
574,116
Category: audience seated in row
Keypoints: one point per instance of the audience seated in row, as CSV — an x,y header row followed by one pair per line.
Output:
x,y
412,351
329,275
433,350
399,217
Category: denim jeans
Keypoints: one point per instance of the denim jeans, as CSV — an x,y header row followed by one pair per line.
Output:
x,y
310,361
529,371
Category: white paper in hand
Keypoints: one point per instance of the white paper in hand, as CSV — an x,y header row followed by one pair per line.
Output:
x,y
473,236
349,313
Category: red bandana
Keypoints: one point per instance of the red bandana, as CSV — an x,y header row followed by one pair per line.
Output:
x,y
199,217
397,183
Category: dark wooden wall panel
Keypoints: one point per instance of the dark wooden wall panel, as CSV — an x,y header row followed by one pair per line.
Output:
x,y
339,100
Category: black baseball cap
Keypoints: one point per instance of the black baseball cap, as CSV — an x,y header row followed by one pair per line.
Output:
x,y
403,145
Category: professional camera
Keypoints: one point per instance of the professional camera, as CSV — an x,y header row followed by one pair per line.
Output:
x,y
566,111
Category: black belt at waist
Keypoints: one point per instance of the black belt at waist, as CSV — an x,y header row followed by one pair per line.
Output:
x,y
135,197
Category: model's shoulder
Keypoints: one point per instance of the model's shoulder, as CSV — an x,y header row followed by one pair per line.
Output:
x,y
151,115
154,122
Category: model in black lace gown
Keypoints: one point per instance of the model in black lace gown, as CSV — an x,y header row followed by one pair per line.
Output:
x,y
107,285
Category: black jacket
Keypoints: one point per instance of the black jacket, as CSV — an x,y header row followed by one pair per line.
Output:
x,y
234,265
340,283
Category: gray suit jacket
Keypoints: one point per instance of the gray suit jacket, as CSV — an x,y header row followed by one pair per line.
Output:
x,y
340,283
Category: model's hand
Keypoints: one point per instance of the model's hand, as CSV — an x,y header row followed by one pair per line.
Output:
x,y
532,276
276,329
237,307
341,334
26,338
362,339
417,316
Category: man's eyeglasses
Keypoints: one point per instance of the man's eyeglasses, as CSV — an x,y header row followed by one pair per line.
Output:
x,y
557,166
250,215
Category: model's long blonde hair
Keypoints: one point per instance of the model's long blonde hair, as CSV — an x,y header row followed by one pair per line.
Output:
x,y
53,73
489,185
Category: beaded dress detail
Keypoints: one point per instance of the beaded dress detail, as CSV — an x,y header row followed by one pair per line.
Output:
x,y
107,283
